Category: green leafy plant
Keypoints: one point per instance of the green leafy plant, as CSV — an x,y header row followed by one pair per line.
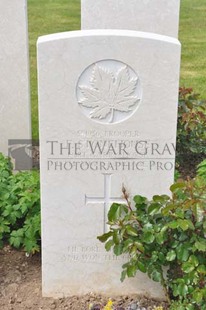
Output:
x,y
165,238
191,129
201,171
19,207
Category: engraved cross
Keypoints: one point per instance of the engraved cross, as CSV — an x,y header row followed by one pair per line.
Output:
x,y
107,199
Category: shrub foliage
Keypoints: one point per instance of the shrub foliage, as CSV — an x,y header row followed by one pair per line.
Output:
x,y
19,207
165,238
191,129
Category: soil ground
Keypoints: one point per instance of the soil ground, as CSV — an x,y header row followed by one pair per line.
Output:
x,y
20,288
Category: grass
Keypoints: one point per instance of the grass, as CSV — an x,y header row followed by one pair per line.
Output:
x,y
50,16
192,34
45,17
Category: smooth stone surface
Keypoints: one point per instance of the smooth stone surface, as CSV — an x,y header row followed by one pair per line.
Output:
x,y
156,16
15,118
90,83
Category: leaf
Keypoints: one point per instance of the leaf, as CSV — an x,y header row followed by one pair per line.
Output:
x,y
139,246
116,237
148,237
91,97
161,199
108,245
128,244
109,93
4,226
101,79
139,199
161,237
201,245
161,257
179,212
166,210
131,231
175,291
201,269
188,267
171,255
182,253
154,209
176,186
156,276
123,84
198,296
133,252
173,225
105,237
116,212
123,275
204,226
183,224
193,260
100,112
190,224
118,249
16,238
183,289
31,246
141,267
131,271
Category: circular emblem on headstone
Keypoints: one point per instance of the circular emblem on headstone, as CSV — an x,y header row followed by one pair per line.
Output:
x,y
108,91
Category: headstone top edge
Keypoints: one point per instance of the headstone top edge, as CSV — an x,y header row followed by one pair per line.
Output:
x,y
106,32
156,16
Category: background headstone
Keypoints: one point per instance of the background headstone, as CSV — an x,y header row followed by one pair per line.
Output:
x,y
108,113
15,118
156,16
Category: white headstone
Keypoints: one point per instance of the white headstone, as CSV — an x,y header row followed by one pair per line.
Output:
x,y
15,119
156,16
108,111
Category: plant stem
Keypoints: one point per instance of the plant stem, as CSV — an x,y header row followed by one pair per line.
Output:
x,y
126,197
165,290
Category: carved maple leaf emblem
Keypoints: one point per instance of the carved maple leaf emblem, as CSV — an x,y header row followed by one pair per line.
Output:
x,y
109,92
